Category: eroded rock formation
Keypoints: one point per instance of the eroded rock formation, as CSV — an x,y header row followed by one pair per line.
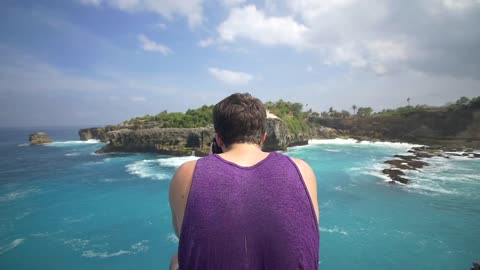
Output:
x,y
38,138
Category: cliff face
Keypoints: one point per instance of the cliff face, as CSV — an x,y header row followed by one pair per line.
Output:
x,y
172,141
439,127
277,135
178,141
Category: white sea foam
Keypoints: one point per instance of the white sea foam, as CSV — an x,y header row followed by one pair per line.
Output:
x,y
72,143
140,246
333,141
331,150
77,244
136,248
148,169
426,189
11,245
355,142
172,238
333,230
103,255
74,154
155,168
23,144
15,195
175,161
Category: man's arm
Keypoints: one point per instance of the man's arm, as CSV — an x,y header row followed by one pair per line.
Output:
x,y
179,189
310,181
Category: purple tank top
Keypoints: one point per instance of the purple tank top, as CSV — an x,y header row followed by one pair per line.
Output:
x,y
258,217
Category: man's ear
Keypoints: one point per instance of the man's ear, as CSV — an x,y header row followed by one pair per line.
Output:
x,y
220,142
264,137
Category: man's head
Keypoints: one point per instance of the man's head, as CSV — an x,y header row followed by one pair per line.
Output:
x,y
240,118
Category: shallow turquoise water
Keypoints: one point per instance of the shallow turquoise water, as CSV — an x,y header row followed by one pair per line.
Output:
x,y
63,207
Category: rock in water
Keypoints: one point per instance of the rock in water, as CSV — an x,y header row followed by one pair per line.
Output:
x,y
39,138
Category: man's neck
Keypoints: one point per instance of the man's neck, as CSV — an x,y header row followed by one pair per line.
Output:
x,y
244,148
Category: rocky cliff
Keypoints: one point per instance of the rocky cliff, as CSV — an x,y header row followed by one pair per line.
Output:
x,y
458,128
180,141
171,141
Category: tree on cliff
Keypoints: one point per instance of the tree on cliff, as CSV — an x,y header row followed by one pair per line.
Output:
x,y
364,111
408,101
354,108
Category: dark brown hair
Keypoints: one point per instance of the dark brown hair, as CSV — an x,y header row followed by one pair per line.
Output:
x,y
240,118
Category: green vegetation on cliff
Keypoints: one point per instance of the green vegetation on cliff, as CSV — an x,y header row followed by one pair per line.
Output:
x,y
291,113
192,118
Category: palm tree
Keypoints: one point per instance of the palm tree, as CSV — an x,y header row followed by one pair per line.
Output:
x,y
408,100
330,111
354,107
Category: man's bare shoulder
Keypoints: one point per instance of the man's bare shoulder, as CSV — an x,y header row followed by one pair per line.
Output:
x,y
310,182
186,168
303,166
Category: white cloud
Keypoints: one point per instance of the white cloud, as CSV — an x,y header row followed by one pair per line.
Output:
x,y
230,77
313,8
252,24
460,5
206,42
231,3
150,45
382,36
192,9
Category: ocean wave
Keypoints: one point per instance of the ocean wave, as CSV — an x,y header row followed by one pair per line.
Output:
x,y
356,142
11,245
332,141
136,248
103,255
427,189
175,161
72,143
15,195
333,230
23,144
172,238
147,169
77,244
155,168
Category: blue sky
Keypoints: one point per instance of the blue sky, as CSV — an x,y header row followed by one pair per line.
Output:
x,y
96,62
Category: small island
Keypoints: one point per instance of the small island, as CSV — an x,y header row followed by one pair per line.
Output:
x,y
39,138
441,131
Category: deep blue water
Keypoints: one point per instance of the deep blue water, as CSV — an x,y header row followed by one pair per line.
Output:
x,y
63,207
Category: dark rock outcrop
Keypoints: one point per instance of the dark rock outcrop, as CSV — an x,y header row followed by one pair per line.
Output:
x,y
39,138
395,175
475,266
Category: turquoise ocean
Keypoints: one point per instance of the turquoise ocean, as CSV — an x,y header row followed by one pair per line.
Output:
x,y
64,207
